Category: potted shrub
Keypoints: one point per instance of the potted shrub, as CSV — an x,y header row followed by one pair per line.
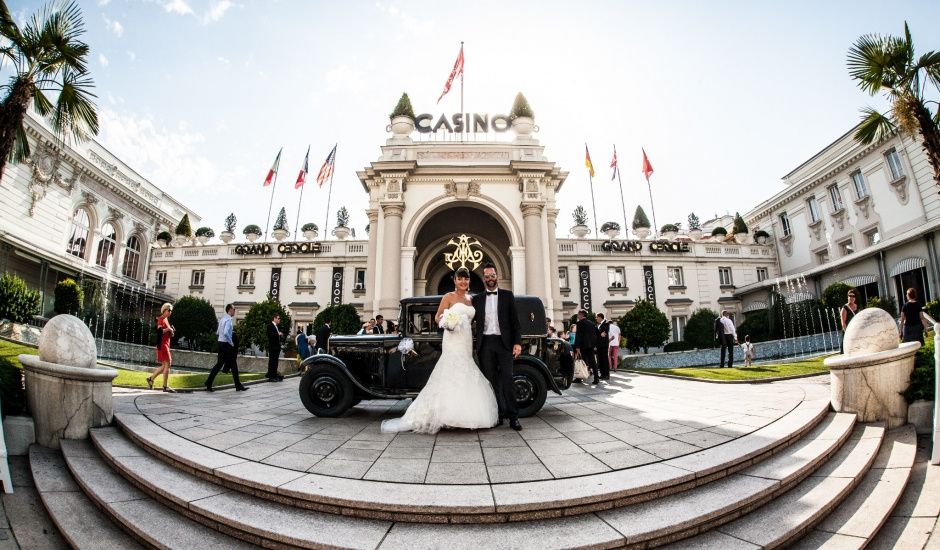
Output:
x,y
402,117
695,227
669,231
310,231
641,224
229,232
521,115
280,231
580,229
739,229
611,229
203,234
164,238
761,236
341,231
183,231
251,232
719,233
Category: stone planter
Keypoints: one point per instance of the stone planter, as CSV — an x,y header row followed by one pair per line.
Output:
x,y
226,236
280,234
641,232
695,234
523,126
252,237
19,432
162,243
580,231
310,234
402,126
762,239
670,235
340,232
180,240
612,233
740,238
202,239
920,414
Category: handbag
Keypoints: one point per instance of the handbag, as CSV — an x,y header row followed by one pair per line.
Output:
x,y
581,369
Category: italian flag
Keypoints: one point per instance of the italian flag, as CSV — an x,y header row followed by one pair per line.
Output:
x,y
273,171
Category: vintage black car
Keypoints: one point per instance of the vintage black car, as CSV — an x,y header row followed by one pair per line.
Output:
x,y
373,367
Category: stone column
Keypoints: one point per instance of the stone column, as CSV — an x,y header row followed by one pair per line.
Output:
x,y
369,302
534,275
391,259
555,314
408,270
517,257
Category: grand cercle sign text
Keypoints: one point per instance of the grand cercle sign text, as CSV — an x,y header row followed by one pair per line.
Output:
x,y
263,249
636,246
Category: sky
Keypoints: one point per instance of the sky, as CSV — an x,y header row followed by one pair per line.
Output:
x,y
725,96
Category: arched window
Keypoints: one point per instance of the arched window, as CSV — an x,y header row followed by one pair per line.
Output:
x,y
79,236
131,257
106,245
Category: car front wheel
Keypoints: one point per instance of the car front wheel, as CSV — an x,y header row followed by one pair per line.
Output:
x,y
326,391
530,388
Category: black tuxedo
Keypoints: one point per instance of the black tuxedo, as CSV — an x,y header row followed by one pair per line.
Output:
x,y
378,329
274,349
585,340
323,338
494,352
603,340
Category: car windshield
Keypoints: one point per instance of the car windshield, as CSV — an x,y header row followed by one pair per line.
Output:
x,y
421,320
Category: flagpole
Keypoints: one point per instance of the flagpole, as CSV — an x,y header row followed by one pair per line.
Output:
x,y
623,204
652,208
329,194
299,202
271,203
591,181
463,69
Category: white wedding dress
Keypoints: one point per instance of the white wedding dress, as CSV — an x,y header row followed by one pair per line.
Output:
x,y
457,395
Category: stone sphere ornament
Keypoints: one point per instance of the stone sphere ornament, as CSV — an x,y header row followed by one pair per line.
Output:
x,y
872,330
66,340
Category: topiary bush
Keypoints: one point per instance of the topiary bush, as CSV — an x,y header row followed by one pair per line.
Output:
x,y
310,227
230,222
280,223
694,222
342,217
164,236
251,229
520,108
719,231
836,295
579,215
669,227
69,297
345,319
254,327
193,317
184,229
739,225
18,302
647,326
12,394
923,379
640,219
403,107
700,328
205,232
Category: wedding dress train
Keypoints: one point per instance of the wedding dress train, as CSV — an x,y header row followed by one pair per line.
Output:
x,y
457,395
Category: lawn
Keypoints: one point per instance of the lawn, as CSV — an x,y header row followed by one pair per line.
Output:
x,y
132,378
757,372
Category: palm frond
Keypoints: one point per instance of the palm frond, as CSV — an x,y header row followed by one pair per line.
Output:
x,y
8,27
874,127
20,150
868,62
75,115
930,63
41,103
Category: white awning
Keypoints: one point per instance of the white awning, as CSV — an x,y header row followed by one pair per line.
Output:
x,y
907,264
797,297
756,305
859,280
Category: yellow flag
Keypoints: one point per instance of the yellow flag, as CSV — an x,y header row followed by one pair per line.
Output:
x,y
587,161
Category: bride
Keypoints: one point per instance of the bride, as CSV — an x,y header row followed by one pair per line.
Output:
x,y
457,395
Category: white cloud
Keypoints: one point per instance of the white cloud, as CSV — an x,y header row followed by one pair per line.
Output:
x,y
178,6
223,60
131,55
103,60
216,11
114,26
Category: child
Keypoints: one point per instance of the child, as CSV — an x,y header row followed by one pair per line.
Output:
x,y
748,348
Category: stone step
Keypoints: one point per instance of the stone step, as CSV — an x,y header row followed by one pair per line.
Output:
x,y
81,522
151,523
789,516
856,521
654,521
477,503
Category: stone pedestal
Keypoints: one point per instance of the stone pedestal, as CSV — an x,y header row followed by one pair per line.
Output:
x,y
869,377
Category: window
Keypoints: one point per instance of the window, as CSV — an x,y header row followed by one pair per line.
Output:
x,y
724,276
894,164
306,277
106,245
678,328
161,279
563,277
813,207
761,274
861,190
674,274
836,196
846,247
822,256
785,224
131,258
360,278
198,278
246,277
872,237
615,277
79,237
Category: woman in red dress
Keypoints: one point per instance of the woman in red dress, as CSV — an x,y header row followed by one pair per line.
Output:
x,y
165,331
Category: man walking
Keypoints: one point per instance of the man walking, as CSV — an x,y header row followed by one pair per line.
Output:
x,y
727,336
323,337
603,339
613,346
585,342
498,342
227,351
274,348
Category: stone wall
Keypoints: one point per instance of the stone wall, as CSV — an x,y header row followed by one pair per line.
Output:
x,y
773,349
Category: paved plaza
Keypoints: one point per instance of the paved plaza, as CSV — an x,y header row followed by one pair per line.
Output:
x,y
631,421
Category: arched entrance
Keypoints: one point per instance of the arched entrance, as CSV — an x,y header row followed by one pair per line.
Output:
x,y
437,236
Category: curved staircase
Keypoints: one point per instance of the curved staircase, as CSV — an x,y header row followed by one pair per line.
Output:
x,y
810,479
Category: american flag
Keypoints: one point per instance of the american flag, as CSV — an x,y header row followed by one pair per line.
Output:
x,y
326,171
302,176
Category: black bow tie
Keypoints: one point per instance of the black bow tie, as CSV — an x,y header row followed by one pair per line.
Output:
x,y
495,292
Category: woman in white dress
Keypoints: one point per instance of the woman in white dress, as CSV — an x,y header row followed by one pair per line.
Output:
x,y
457,395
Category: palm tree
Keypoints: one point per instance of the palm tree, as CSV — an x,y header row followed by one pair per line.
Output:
x,y
887,64
46,56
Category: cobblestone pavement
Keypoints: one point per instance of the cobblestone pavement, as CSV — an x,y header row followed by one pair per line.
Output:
x,y
630,421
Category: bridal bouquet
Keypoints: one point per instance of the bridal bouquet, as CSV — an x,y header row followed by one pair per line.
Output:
x,y
450,320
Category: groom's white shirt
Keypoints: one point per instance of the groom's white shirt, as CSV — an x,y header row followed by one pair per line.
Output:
x,y
490,318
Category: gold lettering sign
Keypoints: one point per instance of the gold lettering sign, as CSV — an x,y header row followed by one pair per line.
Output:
x,y
464,252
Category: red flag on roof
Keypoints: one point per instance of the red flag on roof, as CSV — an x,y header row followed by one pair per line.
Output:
x,y
458,70
647,167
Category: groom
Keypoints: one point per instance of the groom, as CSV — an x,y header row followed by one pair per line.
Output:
x,y
498,342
